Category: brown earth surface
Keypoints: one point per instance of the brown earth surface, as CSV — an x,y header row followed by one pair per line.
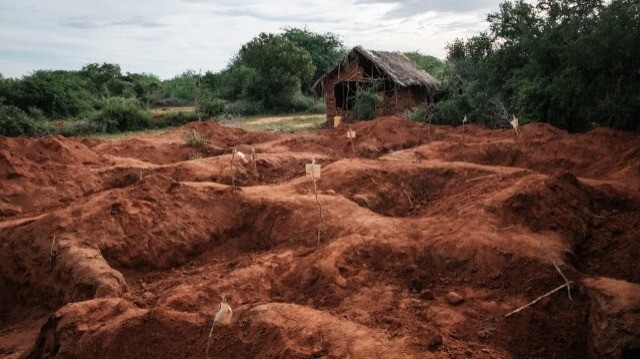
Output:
x,y
427,242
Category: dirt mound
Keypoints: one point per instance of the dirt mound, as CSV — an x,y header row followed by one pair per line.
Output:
x,y
49,150
614,319
420,240
45,172
373,138
222,136
598,222
72,332
383,135
173,146
263,331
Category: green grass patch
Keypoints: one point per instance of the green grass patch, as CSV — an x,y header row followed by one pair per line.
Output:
x,y
284,124
120,135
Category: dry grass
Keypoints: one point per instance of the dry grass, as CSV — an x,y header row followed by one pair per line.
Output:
x,y
282,124
194,139
170,110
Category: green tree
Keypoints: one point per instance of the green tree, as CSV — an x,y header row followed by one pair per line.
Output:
x,y
232,84
59,94
430,64
467,84
366,103
279,66
181,89
324,50
5,85
105,79
572,63
147,87
121,114
15,122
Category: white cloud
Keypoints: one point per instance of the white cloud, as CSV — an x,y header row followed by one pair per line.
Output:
x,y
166,37
405,8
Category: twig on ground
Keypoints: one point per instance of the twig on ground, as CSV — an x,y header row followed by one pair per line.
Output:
x,y
480,178
536,300
223,316
466,207
209,339
503,229
53,254
406,194
566,281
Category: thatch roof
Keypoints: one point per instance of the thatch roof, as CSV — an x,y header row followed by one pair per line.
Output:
x,y
399,68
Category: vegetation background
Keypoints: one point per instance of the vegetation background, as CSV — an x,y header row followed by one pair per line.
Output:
x,y
572,63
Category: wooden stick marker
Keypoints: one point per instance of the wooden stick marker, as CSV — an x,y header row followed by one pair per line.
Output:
x,y
515,123
313,170
351,134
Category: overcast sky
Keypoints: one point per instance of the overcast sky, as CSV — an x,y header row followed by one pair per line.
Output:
x,y
166,37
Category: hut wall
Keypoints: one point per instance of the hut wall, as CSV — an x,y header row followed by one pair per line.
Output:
x,y
401,99
353,72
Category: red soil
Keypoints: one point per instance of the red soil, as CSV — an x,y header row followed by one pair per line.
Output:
x,y
426,243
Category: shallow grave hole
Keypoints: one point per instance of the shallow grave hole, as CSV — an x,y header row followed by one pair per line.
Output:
x,y
403,194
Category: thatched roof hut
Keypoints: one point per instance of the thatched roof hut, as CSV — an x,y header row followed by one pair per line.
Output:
x,y
400,82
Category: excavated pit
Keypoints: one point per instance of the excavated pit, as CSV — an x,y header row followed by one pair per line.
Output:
x,y
426,242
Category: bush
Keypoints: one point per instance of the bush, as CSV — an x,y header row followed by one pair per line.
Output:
x,y
169,101
36,114
301,103
418,113
15,122
180,90
194,139
121,114
367,100
211,107
231,84
58,94
245,108
177,119
280,65
81,128
226,118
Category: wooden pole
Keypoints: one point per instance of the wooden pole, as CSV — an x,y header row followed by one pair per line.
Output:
x,y
253,159
406,194
536,300
233,170
315,192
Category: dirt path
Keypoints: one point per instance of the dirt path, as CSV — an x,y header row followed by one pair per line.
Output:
x,y
275,119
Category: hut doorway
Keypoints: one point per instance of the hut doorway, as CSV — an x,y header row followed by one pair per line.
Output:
x,y
345,93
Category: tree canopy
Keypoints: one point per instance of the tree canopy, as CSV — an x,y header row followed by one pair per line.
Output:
x,y
324,50
431,64
280,66
572,63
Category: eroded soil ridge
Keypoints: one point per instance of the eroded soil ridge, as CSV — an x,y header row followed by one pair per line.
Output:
x,y
428,239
